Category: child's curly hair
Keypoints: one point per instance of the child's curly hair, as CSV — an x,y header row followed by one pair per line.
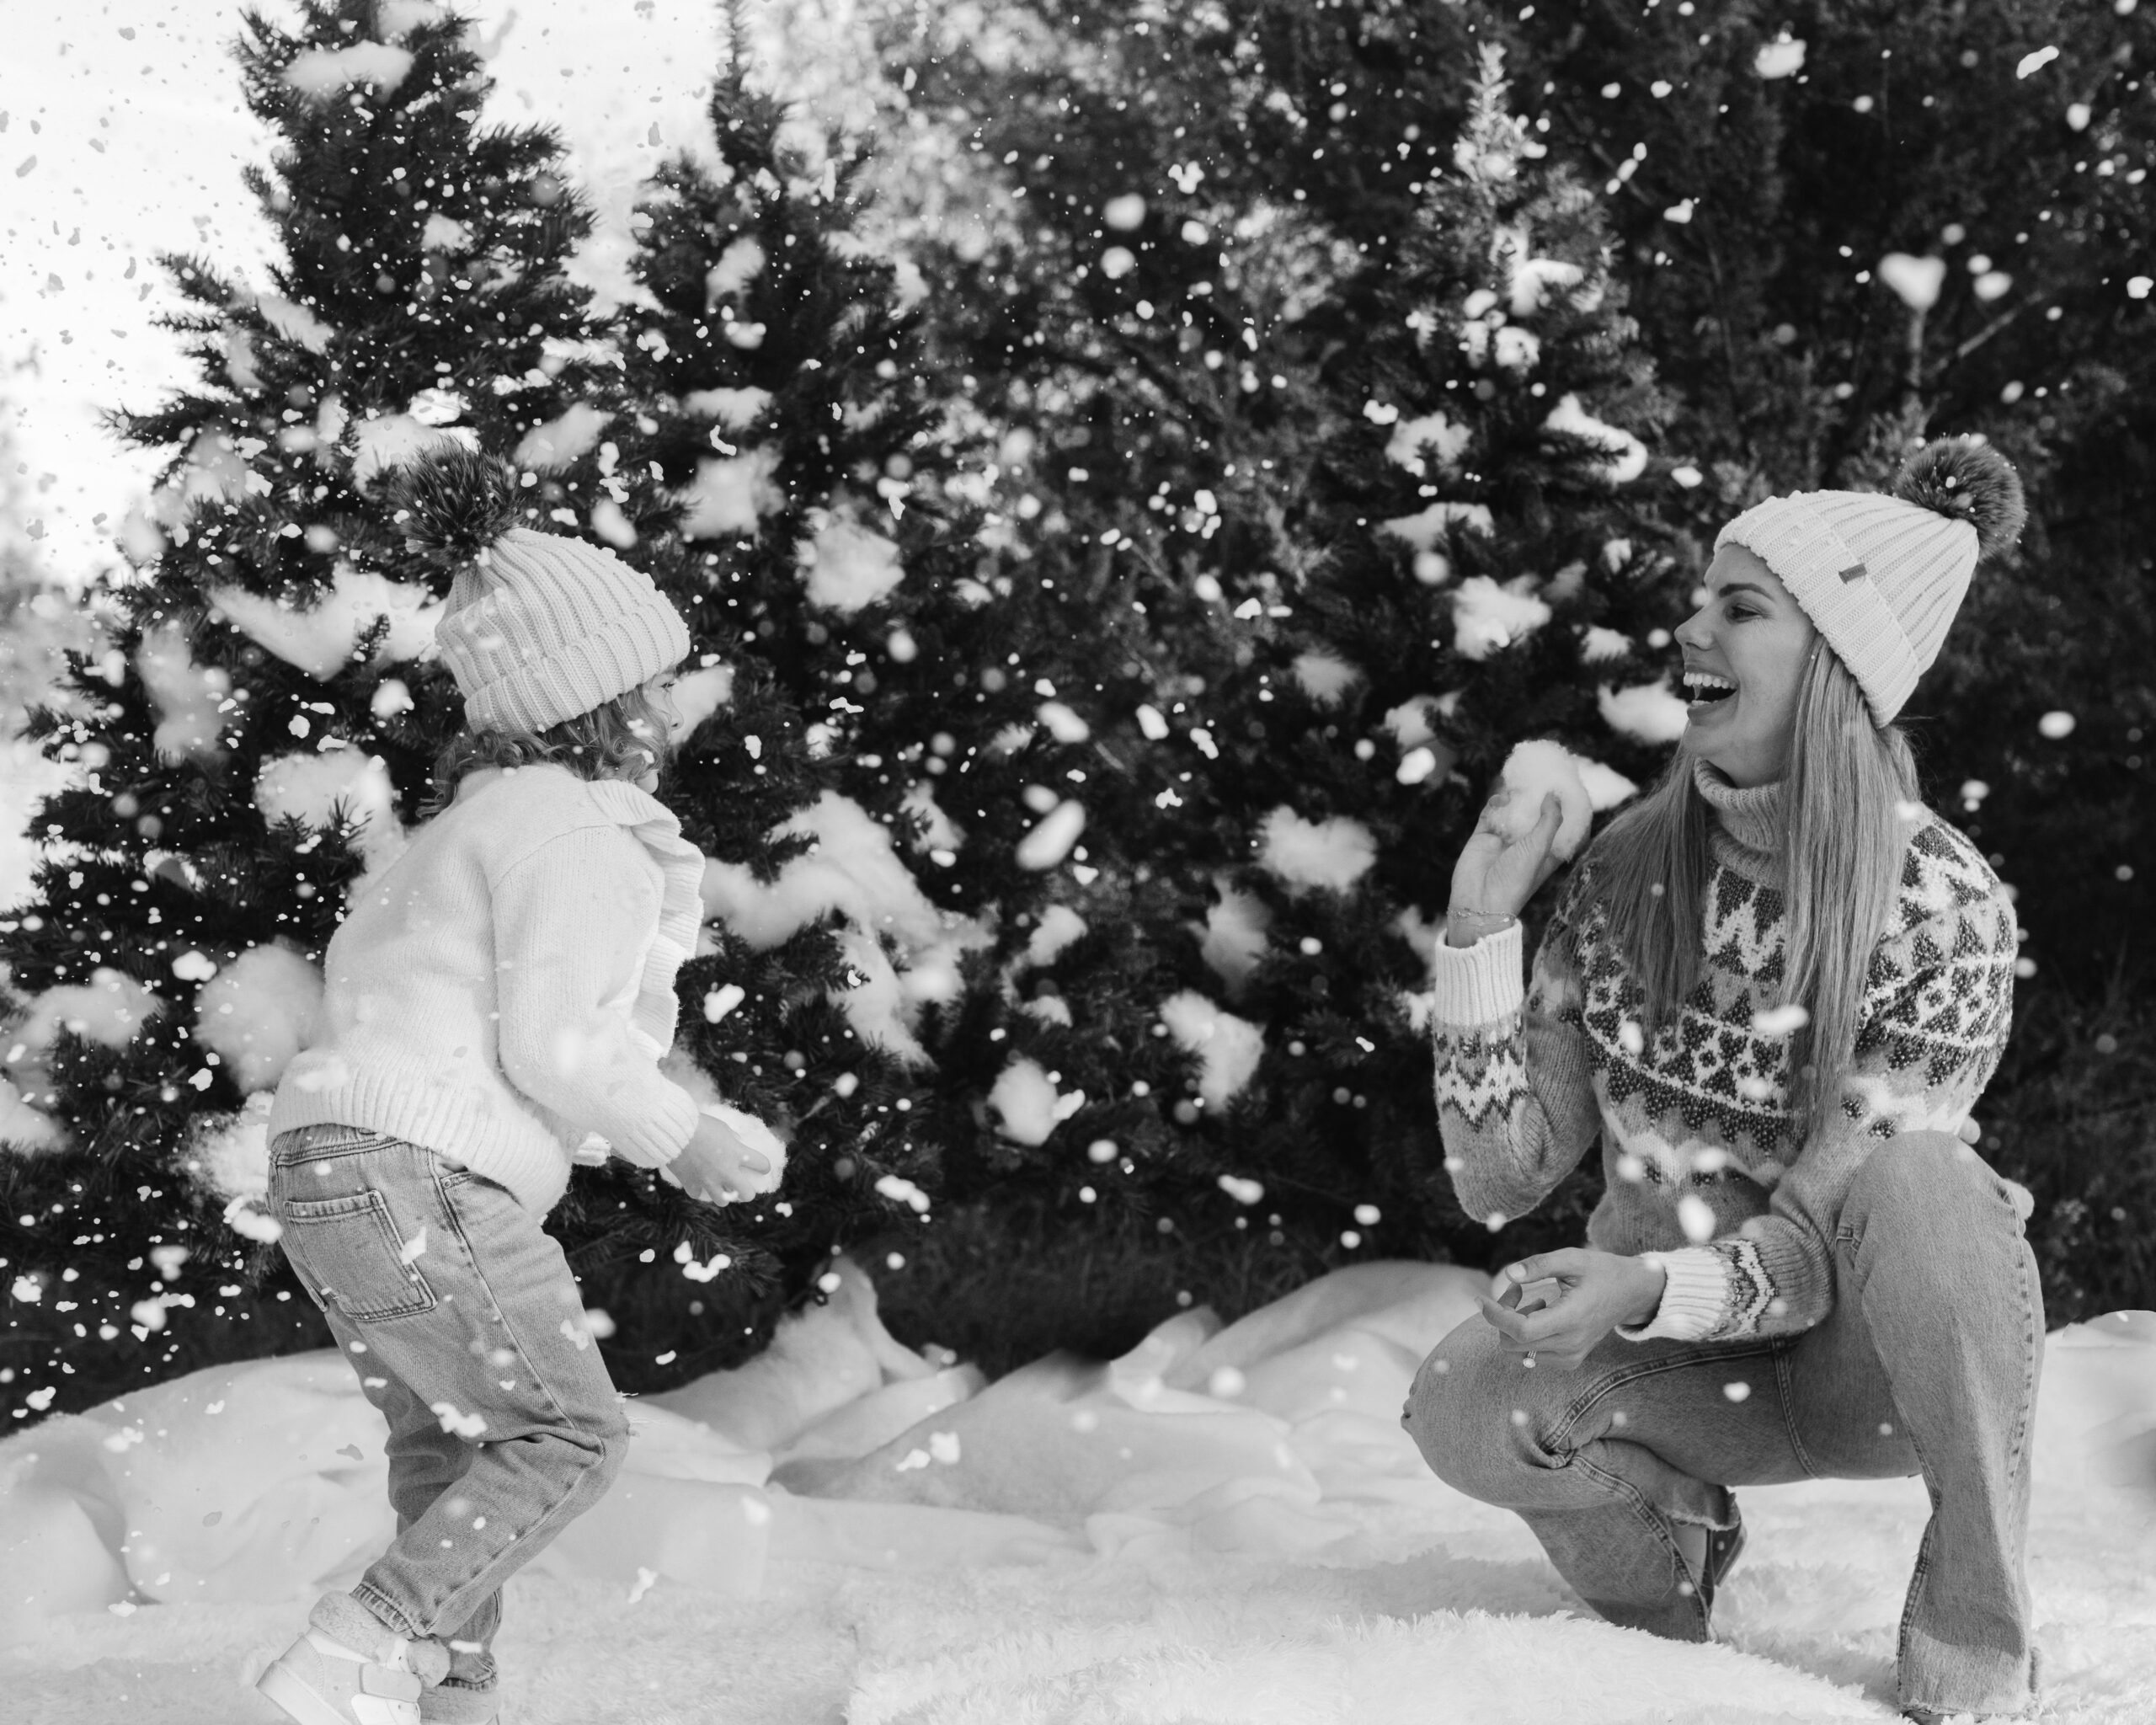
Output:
x,y
623,738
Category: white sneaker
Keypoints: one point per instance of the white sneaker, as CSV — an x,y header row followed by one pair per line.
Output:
x,y
320,1681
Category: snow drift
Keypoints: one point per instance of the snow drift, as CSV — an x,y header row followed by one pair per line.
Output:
x,y
1226,1524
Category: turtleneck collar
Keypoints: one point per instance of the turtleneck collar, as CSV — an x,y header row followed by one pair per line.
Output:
x,y
1748,821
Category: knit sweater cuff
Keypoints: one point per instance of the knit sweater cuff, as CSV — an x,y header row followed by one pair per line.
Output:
x,y
1480,984
659,1137
1695,1297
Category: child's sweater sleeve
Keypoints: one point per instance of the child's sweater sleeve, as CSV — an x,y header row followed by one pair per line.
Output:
x,y
1516,1101
573,921
1939,1003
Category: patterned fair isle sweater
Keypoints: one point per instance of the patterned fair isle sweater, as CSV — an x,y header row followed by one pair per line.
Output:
x,y
1697,1140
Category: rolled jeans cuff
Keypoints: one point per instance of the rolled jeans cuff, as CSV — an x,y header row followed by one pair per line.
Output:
x,y
363,1625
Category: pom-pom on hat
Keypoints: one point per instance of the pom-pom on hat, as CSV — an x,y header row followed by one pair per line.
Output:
x,y
1881,573
539,627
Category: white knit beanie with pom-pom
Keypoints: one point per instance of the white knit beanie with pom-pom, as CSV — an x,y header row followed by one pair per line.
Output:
x,y
539,627
1881,573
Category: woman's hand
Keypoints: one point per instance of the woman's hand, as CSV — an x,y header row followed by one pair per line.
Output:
x,y
1582,1296
718,1165
1496,876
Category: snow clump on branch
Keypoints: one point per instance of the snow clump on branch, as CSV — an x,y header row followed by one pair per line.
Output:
x,y
853,870
729,497
1647,711
258,1013
320,639
320,789
184,695
1487,618
1028,1104
847,567
1229,1048
1626,456
327,72
1330,855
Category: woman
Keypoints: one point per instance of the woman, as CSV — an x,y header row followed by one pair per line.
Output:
x,y
1774,988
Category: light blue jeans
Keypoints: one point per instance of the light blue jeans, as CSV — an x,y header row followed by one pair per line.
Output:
x,y
1927,1363
461,1319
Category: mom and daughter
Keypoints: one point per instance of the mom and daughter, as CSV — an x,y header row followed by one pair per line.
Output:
x,y
1774,989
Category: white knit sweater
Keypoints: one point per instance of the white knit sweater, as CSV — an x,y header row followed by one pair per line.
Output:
x,y
504,991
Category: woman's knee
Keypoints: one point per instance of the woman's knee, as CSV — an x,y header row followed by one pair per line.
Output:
x,y
1466,1412
1934,1182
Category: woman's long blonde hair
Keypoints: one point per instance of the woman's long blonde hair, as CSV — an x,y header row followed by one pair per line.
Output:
x,y
1848,800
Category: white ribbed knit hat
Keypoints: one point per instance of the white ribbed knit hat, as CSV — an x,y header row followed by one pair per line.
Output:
x,y
1881,573
539,627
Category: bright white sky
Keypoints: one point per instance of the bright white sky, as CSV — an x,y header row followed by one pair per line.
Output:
x,y
122,136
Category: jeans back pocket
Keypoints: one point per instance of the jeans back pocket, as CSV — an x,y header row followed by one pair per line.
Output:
x,y
349,1249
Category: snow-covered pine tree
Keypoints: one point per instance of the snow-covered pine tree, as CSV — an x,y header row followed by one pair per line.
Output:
x,y
1134,310
839,526
784,468
261,731
1475,560
1407,527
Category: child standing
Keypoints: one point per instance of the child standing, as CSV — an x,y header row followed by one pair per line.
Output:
x,y
501,997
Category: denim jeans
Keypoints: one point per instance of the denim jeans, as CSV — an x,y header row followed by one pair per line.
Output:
x,y
461,1319
1927,1363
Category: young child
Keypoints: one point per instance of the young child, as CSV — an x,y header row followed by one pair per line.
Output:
x,y
498,998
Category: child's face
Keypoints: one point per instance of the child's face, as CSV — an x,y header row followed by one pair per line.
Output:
x,y
658,694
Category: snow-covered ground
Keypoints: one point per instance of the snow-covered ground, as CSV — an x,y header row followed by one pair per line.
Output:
x,y
1221,1526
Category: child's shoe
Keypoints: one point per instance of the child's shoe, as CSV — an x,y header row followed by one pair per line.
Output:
x,y
318,1681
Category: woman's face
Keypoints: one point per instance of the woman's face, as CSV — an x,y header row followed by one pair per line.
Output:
x,y
1746,651
660,693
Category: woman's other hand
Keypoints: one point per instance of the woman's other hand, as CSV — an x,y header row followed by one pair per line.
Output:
x,y
1496,876
1555,1308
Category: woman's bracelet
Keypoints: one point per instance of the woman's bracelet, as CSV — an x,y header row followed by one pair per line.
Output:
x,y
1493,920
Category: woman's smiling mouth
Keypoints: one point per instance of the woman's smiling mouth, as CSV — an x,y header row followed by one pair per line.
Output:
x,y
1706,688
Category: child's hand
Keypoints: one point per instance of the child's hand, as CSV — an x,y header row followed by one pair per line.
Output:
x,y
715,1167
731,1156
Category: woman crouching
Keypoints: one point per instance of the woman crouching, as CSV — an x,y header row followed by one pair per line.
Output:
x,y
1776,989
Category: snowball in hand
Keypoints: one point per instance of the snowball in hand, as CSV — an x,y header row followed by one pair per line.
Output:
x,y
1532,772
754,1135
